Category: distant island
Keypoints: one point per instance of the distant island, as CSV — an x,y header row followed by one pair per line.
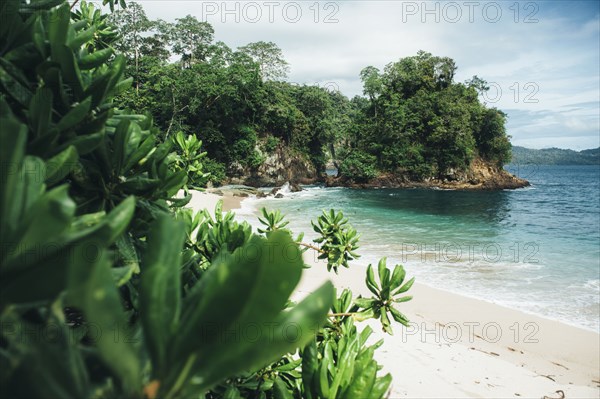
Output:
x,y
555,156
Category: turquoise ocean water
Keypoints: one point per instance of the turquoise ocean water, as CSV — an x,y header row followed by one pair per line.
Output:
x,y
535,249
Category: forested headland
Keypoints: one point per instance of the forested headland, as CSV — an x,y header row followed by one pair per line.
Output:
x,y
414,125
555,156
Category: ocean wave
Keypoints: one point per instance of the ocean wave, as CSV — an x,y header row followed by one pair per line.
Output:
x,y
593,284
528,287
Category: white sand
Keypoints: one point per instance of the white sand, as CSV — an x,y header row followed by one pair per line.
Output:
x,y
459,347
201,200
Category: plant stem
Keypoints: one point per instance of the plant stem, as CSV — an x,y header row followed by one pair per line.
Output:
x,y
182,376
341,314
311,247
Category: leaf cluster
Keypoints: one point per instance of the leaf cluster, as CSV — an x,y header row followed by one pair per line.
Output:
x,y
338,240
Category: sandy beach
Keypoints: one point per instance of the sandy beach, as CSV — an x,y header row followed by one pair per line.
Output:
x,y
460,347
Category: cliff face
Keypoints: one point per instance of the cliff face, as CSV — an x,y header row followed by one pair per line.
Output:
x,y
481,175
281,166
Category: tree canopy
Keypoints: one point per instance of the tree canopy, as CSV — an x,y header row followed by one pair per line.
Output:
x,y
414,118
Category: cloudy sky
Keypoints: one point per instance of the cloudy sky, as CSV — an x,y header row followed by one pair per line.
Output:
x,y
542,58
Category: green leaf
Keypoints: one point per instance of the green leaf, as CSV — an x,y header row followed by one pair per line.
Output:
x,y
95,59
13,136
81,38
116,222
17,90
397,277
53,361
232,393
69,69
364,315
345,364
59,24
92,288
403,299
365,302
370,281
121,144
160,289
405,287
399,317
276,339
309,369
61,165
142,151
251,285
40,111
384,276
280,390
84,144
385,322
46,219
75,115
380,387
122,275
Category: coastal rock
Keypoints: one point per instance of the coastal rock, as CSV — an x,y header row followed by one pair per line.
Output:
x,y
481,175
286,188
281,166
235,190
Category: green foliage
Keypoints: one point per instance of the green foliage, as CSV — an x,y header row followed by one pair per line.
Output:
x,y
215,171
91,248
338,239
359,167
271,144
492,141
419,123
272,221
339,364
387,293
270,59
188,159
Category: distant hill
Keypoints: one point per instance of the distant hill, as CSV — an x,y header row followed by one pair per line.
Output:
x,y
555,156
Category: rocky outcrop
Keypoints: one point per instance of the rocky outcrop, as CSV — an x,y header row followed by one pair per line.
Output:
x,y
481,175
281,166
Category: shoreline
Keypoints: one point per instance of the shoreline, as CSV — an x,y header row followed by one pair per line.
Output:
x,y
474,348
460,346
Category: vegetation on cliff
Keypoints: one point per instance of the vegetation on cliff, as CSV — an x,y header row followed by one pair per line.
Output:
x,y
414,121
417,122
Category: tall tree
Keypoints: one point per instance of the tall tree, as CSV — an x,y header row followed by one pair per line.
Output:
x,y
191,39
269,57
133,24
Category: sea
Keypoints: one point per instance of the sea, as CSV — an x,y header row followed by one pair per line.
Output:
x,y
535,249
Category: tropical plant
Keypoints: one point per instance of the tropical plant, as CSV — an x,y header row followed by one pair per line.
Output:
x,y
359,167
90,248
188,159
386,294
338,240
342,365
